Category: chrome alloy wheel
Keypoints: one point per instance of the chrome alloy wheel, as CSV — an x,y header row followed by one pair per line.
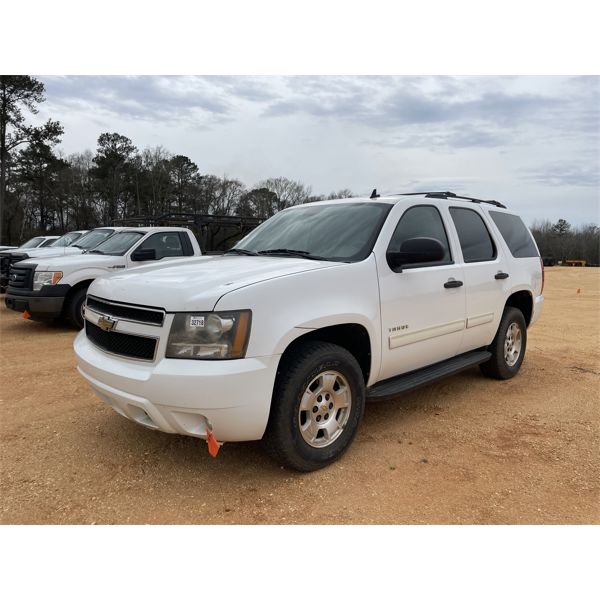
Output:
x,y
512,344
324,409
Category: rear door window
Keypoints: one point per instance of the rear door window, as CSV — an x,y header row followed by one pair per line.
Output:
x,y
475,239
515,234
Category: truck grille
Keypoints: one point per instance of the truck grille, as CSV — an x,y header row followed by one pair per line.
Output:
x,y
150,316
123,344
21,278
6,261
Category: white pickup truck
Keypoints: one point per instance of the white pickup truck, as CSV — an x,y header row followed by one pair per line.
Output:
x,y
73,242
45,288
319,308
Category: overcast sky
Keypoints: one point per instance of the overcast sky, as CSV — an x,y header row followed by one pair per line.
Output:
x,y
531,142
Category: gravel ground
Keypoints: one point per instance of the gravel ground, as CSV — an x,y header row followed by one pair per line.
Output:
x,y
465,450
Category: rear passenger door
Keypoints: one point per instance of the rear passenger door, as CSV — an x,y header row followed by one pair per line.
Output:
x,y
484,267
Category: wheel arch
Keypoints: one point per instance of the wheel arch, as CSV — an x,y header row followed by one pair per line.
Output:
x,y
353,337
85,283
523,300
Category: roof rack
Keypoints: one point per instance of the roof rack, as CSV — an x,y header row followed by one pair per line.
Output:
x,y
452,195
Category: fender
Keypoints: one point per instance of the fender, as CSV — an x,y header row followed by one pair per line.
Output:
x,y
88,273
283,309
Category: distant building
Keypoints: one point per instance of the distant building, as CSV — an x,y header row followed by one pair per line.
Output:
x,y
574,263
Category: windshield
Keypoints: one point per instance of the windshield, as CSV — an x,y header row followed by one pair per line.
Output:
x,y
32,243
66,240
119,243
344,232
93,238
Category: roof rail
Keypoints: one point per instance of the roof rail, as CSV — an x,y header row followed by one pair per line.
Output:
x,y
452,195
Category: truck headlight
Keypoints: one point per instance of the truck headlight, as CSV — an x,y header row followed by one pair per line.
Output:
x,y
41,278
219,335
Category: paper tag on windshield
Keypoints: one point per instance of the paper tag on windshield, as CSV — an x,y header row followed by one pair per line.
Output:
x,y
196,321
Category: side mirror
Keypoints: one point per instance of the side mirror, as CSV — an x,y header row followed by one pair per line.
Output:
x,y
415,251
144,254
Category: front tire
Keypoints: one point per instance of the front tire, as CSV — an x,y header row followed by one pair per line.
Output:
x,y
74,308
318,403
508,346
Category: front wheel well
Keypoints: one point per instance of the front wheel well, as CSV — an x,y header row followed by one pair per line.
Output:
x,y
78,286
351,336
524,302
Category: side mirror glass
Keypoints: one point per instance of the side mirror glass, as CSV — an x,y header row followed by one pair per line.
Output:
x,y
415,251
144,254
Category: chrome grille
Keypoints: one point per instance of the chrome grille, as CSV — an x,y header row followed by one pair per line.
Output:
x,y
127,312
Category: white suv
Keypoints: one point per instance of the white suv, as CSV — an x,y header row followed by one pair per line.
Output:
x,y
320,308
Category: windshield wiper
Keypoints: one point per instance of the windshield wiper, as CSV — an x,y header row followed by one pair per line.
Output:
x,y
288,252
94,252
241,251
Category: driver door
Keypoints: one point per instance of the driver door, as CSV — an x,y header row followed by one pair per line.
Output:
x,y
166,244
423,306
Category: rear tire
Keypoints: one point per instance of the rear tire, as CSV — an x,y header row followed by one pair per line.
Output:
x,y
508,346
73,310
318,403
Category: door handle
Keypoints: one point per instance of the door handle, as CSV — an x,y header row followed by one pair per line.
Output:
x,y
453,283
501,275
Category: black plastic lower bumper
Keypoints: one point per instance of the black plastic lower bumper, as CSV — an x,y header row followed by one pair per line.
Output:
x,y
45,304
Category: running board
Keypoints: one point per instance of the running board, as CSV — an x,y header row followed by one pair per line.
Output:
x,y
409,381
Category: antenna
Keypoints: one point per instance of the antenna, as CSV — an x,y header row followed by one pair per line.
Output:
x,y
374,194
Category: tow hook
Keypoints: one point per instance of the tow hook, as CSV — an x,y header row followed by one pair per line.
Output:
x,y
213,445
26,314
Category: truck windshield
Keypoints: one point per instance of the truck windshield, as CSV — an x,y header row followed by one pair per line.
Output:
x,y
92,239
32,243
344,232
66,240
119,243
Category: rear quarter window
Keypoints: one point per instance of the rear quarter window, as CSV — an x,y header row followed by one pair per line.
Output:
x,y
475,240
515,234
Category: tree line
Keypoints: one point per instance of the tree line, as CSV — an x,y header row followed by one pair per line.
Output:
x,y
43,191
562,241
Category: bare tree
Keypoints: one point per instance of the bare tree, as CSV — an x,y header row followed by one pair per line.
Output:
x,y
288,192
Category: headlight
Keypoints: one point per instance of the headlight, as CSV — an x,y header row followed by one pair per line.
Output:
x,y
41,278
209,335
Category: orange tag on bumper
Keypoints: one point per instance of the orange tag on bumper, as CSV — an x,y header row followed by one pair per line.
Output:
x,y
213,445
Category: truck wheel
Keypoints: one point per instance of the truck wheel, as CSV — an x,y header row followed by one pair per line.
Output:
x,y
74,308
318,403
508,347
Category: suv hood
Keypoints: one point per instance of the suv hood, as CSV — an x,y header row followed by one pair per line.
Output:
x,y
197,284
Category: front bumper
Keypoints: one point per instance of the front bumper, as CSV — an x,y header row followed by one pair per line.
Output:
x,y
538,305
232,398
45,304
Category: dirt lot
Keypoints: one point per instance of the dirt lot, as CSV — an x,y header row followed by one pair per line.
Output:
x,y
465,450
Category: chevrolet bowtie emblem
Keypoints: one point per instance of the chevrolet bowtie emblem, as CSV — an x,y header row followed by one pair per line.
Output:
x,y
107,323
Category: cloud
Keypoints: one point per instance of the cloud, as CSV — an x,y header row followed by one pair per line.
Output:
x,y
477,135
394,102
145,98
565,174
